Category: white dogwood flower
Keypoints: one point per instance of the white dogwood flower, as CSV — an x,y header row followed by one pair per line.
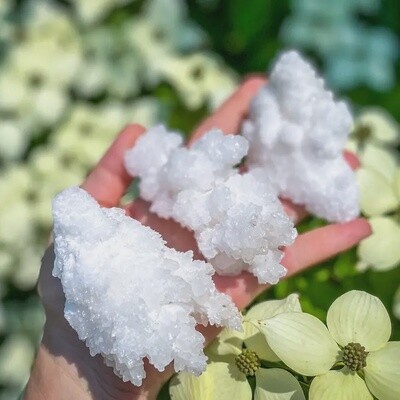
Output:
x,y
381,250
380,199
374,136
229,363
357,340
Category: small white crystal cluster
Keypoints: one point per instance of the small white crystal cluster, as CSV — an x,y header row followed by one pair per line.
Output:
x,y
128,296
297,132
238,221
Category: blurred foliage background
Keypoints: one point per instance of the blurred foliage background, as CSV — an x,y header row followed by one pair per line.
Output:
x,y
74,72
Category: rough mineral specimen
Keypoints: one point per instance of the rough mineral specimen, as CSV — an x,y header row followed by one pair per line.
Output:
x,y
297,132
128,296
238,221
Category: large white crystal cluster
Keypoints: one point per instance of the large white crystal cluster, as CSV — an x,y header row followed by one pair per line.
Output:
x,y
297,132
127,295
238,221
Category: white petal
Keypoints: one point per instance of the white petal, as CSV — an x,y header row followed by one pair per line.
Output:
x,y
219,381
187,386
359,317
384,127
13,140
277,384
336,385
229,382
361,266
380,159
352,145
302,342
254,339
381,250
226,346
382,372
377,194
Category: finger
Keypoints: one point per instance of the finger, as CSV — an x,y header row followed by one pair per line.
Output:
x,y
230,115
352,160
320,244
109,180
309,249
295,212
242,288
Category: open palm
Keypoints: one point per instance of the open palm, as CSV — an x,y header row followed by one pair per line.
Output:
x,y
107,183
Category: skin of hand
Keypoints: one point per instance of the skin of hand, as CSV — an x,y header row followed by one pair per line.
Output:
x,y
63,368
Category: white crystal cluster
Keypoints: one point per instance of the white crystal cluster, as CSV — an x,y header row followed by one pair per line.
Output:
x,y
238,221
128,296
297,132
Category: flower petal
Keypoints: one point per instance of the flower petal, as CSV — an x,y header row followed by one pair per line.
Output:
x,y
380,159
219,381
226,346
335,385
352,145
229,382
383,126
254,339
381,250
382,372
302,342
187,386
277,384
359,317
377,194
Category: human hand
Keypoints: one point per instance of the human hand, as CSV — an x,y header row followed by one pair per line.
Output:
x,y
64,368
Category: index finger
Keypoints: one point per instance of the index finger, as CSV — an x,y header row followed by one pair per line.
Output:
x,y
230,114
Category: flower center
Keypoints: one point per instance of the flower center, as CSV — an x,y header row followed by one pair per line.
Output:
x,y
248,362
355,356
